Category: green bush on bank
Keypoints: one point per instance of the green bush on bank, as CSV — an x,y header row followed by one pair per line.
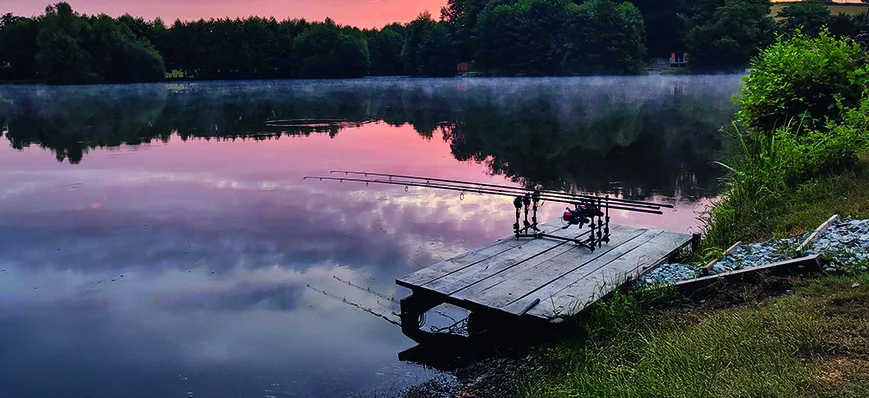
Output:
x,y
806,79
804,115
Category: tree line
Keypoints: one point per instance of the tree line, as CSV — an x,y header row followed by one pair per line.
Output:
x,y
495,37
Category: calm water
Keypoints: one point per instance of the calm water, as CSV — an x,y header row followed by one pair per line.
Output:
x,y
158,240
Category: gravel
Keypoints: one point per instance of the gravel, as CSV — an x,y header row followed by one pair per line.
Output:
x,y
670,273
757,254
845,246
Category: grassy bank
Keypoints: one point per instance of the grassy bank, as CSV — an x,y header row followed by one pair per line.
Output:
x,y
812,342
803,131
801,208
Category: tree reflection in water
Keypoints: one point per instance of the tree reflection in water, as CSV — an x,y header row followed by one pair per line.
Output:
x,y
636,136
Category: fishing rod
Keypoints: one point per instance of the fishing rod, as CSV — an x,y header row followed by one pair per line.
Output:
x,y
493,191
481,184
587,209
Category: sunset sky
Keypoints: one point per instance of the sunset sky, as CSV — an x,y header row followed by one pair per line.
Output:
x,y
362,13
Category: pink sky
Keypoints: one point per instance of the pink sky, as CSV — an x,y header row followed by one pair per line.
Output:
x,y
362,13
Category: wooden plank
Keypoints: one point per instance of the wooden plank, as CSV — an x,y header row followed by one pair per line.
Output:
x,y
816,234
503,289
708,267
537,250
567,284
474,257
574,291
808,263
470,258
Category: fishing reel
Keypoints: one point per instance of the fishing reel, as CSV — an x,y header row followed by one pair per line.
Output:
x,y
581,215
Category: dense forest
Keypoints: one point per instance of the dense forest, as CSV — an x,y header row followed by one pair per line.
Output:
x,y
495,37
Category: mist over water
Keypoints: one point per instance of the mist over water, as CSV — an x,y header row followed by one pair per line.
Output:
x,y
159,240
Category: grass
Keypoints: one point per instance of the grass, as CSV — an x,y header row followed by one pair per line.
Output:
x,y
762,202
809,205
811,343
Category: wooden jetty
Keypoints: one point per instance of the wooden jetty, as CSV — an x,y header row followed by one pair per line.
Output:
x,y
539,278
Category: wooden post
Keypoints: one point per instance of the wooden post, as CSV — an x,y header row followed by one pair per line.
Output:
x,y
816,234
695,243
797,265
712,263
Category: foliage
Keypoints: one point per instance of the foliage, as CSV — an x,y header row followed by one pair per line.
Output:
x,y
253,48
665,25
810,79
558,37
726,36
808,16
64,47
504,37
327,52
780,177
462,17
823,82
18,47
384,49
428,48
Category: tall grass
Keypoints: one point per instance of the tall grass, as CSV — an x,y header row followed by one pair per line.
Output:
x,y
775,171
753,191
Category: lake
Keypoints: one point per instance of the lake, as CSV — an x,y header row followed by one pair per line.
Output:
x,y
158,240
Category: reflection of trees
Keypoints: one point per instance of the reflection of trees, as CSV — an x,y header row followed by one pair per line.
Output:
x,y
69,120
646,134
660,144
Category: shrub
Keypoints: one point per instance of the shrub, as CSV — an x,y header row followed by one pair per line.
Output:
x,y
811,79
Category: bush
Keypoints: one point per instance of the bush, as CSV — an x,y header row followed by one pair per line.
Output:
x,y
811,79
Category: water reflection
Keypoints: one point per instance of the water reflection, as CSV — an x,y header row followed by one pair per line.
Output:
x,y
181,264
637,136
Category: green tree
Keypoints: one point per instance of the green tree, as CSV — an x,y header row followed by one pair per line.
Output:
x,y
384,49
428,48
615,37
665,25
462,17
559,37
727,36
18,47
327,52
810,17
530,37
75,49
61,57
119,56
